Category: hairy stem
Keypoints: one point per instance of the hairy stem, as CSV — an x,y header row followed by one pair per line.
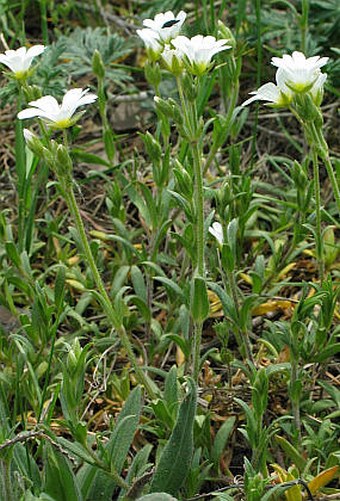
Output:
x,y
106,302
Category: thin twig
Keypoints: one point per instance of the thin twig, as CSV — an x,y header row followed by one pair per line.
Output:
x,y
222,489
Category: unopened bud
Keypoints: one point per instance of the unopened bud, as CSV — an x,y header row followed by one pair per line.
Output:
x,y
98,67
34,143
153,74
63,161
226,33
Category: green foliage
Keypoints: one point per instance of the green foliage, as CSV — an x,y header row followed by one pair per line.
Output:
x,y
80,46
255,321
175,459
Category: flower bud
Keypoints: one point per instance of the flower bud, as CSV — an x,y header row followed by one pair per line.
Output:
x,y
153,74
34,144
153,147
63,161
74,356
225,32
98,67
305,107
184,183
164,106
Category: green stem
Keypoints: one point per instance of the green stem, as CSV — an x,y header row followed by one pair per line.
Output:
x,y
107,131
304,24
318,235
322,149
20,166
198,328
200,268
106,302
199,208
183,101
295,402
44,27
192,131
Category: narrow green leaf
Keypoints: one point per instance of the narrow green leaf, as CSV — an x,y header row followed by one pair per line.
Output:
x,y
170,284
60,482
175,460
291,452
221,439
95,484
171,388
59,288
138,283
199,300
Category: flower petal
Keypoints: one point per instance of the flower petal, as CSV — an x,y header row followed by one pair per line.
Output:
x,y
35,50
29,113
47,104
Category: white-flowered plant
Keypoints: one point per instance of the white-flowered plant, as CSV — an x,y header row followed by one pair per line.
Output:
x,y
151,41
19,61
267,92
199,50
166,25
55,115
217,231
278,96
172,59
295,75
299,72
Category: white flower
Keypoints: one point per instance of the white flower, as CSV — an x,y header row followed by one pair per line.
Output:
x,y
173,59
151,42
298,72
166,24
217,231
279,95
20,60
58,116
269,92
199,50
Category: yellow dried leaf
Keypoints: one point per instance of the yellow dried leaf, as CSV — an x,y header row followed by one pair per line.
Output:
x,y
215,304
286,270
56,244
180,357
322,479
246,278
264,308
293,493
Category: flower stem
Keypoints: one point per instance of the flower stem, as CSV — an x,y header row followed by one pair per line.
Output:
x,y
322,151
318,235
106,302
191,122
44,26
20,165
304,24
199,208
